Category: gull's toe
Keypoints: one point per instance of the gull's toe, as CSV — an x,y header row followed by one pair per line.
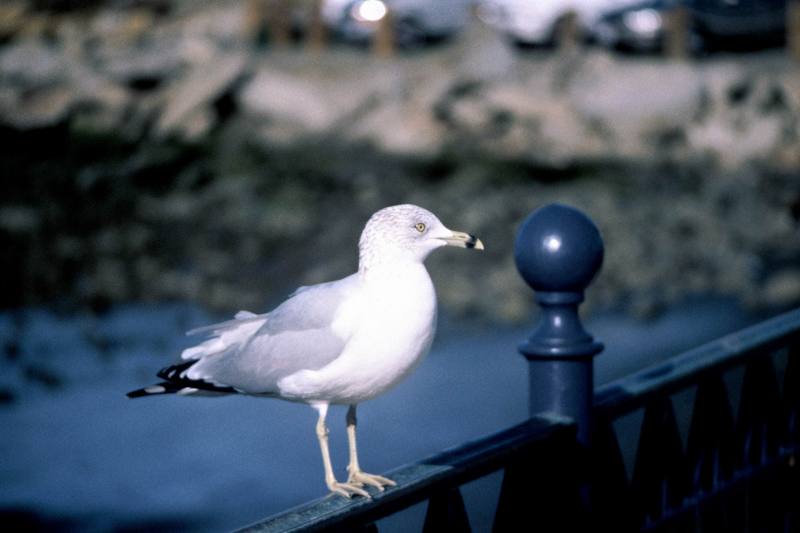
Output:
x,y
347,490
362,478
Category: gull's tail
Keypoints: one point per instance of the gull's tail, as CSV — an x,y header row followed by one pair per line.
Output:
x,y
176,382
224,339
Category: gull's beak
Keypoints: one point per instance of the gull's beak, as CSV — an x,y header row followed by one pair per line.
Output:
x,y
463,240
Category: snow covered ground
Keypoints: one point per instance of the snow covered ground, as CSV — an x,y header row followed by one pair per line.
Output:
x,y
75,453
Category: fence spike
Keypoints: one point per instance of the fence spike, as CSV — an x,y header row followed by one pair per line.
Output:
x,y
546,483
711,455
758,425
791,399
757,438
709,450
660,479
611,495
446,512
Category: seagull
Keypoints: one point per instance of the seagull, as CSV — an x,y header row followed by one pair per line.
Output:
x,y
336,343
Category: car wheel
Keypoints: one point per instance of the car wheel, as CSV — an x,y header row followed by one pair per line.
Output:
x,y
523,45
408,32
697,45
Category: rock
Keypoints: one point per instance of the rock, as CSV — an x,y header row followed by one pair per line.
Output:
x,y
111,278
32,64
121,27
197,123
187,108
224,24
153,63
636,101
19,219
471,114
397,112
292,104
782,288
748,119
103,106
12,14
36,109
733,146
289,100
33,26
540,130
402,128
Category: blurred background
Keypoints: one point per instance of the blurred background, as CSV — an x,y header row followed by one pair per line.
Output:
x,y
166,163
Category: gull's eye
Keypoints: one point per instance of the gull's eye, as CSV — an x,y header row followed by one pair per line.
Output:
x,y
420,227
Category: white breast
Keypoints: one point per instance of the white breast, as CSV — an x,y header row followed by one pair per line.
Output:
x,y
392,329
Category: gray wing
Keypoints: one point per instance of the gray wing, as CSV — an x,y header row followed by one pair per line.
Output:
x,y
297,335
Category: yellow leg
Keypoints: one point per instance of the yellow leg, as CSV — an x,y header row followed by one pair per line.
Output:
x,y
356,476
343,489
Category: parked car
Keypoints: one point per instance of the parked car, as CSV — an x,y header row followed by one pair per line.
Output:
x,y
414,21
728,24
640,24
536,22
737,24
638,27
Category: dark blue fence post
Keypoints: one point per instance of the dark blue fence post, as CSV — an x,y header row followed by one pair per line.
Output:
x,y
558,251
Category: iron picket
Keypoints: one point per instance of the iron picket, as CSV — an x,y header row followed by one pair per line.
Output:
x,y
446,512
709,448
611,494
660,480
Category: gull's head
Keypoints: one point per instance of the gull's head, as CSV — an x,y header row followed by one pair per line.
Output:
x,y
408,232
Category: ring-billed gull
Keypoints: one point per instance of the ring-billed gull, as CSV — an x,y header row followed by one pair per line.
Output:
x,y
341,342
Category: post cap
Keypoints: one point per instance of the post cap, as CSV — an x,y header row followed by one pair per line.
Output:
x,y
558,249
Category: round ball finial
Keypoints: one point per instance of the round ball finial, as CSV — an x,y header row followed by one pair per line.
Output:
x,y
558,249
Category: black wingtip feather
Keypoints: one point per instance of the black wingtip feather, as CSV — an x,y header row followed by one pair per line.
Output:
x,y
173,373
155,390
138,393
176,381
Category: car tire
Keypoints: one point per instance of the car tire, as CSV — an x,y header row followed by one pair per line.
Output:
x,y
408,32
697,45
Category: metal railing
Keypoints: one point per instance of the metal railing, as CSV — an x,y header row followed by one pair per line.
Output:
x,y
717,441
736,470
436,479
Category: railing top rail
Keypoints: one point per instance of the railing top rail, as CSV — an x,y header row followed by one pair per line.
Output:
x,y
631,392
416,482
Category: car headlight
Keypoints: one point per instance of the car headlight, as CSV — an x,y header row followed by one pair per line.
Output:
x,y
646,22
369,10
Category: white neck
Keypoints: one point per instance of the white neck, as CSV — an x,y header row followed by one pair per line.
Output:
x,y
386,258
